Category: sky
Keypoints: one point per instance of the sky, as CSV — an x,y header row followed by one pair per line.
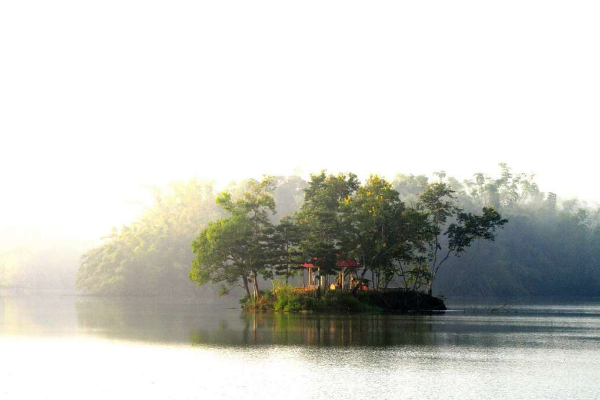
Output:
x,y
99,99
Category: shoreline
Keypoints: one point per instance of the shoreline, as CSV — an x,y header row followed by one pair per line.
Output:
x,y
293,300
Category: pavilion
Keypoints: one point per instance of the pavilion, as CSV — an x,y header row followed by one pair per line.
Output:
x,y
347,269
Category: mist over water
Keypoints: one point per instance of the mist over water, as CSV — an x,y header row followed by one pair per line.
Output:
x,y
121,120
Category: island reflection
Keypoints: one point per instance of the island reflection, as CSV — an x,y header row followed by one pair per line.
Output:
x,y
189,323
201,325
179,322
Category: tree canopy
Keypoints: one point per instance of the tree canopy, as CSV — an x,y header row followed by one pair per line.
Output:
x,y
236,247
550,246
151,256
339,219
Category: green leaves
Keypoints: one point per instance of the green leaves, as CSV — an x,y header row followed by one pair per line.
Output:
x,y
235,242
375,230
468,228
439,203
285,240
319,218
339,219
237,247
145,257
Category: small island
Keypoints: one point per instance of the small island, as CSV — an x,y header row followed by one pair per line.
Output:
x,y
348,293
352,246
294,299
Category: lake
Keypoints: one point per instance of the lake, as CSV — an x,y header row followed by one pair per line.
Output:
x,y
68,347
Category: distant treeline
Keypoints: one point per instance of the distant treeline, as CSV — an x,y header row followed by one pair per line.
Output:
x,y
549,247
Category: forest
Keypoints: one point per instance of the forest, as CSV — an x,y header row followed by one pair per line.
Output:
x,y
549,247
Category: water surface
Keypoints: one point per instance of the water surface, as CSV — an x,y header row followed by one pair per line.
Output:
x,y
72,347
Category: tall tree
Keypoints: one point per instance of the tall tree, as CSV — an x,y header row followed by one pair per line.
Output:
x,y
439,202
236,248
378,232
319,218
286,240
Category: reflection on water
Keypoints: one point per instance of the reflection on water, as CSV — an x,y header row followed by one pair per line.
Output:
x,y
224,327
318,330
154,321
191,323
157,350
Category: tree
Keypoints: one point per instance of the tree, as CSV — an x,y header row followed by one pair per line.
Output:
x,y
288,195
237,247
438,201
410,186
285,240
379,230
151,256
319,219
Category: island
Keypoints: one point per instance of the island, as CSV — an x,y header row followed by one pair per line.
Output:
x,y
351,247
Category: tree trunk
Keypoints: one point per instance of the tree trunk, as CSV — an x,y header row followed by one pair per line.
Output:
x,y
245,280
255,286
388,281
320,280
373,279
430,286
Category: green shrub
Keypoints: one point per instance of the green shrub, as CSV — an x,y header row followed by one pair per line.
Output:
x,y
287,300
264,302
347,302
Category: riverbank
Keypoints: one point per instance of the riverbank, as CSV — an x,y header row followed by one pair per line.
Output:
x,y
289,299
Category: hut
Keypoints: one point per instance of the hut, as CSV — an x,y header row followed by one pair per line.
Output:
x,y
312,276
347,270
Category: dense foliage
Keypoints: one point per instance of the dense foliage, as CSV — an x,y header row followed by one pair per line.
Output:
x,y
237,248
293,299
340,219
152,256
549,247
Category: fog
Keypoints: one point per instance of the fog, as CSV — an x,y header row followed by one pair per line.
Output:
x,y
100,101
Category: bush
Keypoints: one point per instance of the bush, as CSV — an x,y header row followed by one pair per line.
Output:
x,y
349,303
264,302
290,299
286,299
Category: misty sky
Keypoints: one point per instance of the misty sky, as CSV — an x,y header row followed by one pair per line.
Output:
x,y
98,98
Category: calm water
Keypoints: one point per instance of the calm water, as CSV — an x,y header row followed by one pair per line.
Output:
x,y
75,348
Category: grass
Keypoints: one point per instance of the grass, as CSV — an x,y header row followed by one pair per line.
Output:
x,y
286,298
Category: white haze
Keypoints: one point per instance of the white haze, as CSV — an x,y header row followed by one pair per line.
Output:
x,y
100,98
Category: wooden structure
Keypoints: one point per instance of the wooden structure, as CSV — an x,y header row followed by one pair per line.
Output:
x,y
346,276
312,275
347,269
